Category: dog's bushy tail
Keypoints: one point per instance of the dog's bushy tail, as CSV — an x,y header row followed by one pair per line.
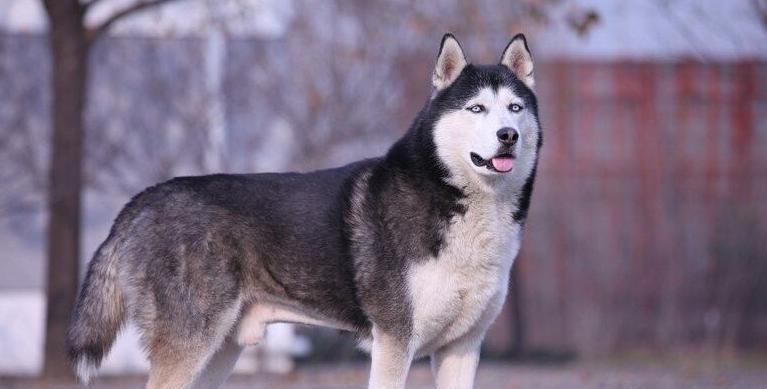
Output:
x,y
99,313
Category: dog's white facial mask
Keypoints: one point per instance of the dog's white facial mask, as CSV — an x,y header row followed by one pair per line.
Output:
x,y
492,132
473,129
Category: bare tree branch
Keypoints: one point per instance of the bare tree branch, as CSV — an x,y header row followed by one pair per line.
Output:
x,y
93,33
88,3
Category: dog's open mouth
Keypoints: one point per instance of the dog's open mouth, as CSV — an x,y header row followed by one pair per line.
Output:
x,y
501,163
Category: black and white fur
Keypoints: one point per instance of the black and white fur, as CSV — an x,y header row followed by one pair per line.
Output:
x,y
410,252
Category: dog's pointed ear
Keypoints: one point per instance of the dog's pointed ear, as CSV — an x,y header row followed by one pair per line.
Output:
x,y
517,57
450,62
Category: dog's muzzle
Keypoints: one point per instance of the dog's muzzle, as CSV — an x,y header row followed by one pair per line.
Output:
x,y
500,163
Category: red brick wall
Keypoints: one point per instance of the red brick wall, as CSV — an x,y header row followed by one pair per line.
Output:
x,y
649,219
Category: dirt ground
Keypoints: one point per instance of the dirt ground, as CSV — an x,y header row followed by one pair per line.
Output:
x,y
646,374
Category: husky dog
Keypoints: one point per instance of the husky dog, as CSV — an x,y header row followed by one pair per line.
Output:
x,y
410,252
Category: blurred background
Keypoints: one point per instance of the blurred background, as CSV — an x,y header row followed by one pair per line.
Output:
x,y
644,263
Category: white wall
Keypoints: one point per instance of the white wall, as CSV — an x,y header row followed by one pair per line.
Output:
x,y
21,329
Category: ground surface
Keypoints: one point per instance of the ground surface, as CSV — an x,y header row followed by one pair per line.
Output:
x,y
647,374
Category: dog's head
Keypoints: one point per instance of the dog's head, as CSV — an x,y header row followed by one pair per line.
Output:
x,y
485,117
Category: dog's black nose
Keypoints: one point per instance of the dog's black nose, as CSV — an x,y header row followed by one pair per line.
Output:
x,y
508,136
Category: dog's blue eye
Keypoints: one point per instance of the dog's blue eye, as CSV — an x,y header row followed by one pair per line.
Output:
x,y
515,107
477,108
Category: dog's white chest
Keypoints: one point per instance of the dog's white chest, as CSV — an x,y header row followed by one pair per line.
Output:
x,y
466,284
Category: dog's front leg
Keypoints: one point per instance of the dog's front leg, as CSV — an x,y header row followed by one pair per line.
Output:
x,y
455,365
391,357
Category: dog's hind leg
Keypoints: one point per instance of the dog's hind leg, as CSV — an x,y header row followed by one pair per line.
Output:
x,y
219,367
178,366
175,369
178,356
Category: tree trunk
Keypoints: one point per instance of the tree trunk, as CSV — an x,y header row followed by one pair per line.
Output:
x,y
517,312
69,49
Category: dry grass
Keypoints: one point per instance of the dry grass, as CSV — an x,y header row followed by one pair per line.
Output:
x,y
626,374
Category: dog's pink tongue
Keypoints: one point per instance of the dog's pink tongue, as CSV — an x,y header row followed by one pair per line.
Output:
x,y
502,164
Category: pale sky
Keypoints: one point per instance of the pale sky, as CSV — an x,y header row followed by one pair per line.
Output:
x,y
628,29
663,29
264,18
